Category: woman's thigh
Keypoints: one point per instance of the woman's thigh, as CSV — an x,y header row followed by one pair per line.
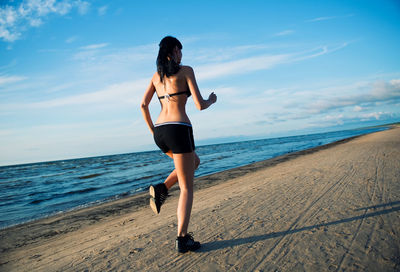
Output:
x,y
185,166
196,158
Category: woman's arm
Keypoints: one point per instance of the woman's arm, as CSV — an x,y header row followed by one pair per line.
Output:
x,y
200,103
144,106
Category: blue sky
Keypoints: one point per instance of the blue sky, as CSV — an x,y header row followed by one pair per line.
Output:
x,y
72,73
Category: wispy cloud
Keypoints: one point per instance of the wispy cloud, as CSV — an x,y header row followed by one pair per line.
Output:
x,y
284,33
374,115
94,46
259,62
10,79
322,18
326,18
220,54
31,13
380,91
116,62
340,119
83,6
71,39
102,10
319,51
123,93
241,66
302,107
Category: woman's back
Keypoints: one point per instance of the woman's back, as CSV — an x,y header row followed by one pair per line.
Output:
x,y
173,92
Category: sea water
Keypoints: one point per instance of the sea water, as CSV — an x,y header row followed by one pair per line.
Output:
x,y
37,190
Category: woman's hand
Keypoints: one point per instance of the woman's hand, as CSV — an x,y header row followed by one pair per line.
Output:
x,y
212,98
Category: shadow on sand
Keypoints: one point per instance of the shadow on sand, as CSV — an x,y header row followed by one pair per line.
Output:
x,y
215,245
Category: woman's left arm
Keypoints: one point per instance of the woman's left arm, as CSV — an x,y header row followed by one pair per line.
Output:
x,y
144,106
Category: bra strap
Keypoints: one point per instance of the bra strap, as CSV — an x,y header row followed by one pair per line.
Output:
x,y
169,95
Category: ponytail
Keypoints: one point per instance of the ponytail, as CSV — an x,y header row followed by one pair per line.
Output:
x,y
166,66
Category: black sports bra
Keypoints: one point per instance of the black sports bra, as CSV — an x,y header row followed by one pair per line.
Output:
x,y
188,93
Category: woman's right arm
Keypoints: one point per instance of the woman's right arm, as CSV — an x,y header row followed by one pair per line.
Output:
x,y
144,106
200,103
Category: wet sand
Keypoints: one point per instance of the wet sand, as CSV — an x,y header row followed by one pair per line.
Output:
x,y
331,208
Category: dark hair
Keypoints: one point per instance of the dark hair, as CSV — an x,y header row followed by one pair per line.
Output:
x,y
165,66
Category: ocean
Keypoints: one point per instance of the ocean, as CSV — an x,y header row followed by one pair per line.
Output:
x,y
37,190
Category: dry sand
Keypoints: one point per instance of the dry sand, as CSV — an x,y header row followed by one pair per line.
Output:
x,y
332,208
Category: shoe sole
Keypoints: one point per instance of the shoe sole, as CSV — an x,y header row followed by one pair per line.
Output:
x,y
152,192
153,205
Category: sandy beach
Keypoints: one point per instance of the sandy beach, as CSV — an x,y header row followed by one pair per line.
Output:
x,y
331,208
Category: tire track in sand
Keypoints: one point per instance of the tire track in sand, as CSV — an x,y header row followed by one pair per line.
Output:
x,y
336,190
371,197
327,189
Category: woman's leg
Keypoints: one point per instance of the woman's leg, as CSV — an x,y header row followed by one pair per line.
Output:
x,y
173,177
184,166
159,193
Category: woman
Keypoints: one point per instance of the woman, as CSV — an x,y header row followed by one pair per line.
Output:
x,y
173,83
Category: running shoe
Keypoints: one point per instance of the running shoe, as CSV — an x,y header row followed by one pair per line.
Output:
x,y
186,243
159,194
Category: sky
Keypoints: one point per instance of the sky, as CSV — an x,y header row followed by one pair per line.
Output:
x,y
73,72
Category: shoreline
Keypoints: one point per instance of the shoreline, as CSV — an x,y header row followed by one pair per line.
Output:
x,y
207,170
84,216
333,207
209,180
144,151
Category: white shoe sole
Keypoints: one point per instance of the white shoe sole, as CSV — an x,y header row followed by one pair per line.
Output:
x,y
152,192
153,205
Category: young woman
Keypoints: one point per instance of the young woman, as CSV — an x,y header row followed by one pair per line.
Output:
x,y
173,83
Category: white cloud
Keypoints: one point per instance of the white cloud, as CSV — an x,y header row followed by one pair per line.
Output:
x,y
375,115
116,64
71,39
395,83
102,10
336,119
94,46
10,79
35,22
83,6
8,17
322,50
220,54
6,132
325,18
284,33
31,13
117,94
241,66
299,106
357,95
260,62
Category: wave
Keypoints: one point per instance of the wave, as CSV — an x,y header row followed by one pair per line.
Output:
x,y
57,196
91,176
37,201
82,191
15,184
135,180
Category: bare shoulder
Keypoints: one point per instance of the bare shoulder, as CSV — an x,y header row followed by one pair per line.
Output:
x,y
156,78
187,70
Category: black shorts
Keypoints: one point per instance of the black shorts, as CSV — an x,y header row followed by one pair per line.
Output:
x,y
176,136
